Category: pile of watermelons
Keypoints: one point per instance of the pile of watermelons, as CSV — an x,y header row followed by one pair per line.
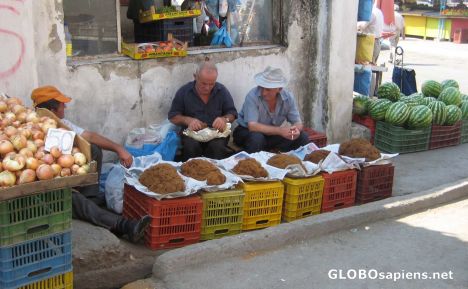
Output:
x,y
438,104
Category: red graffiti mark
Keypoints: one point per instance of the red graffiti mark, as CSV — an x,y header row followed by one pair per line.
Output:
x,y
17,64
9,8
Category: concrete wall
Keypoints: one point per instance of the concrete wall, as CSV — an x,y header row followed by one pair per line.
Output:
x,y
112,97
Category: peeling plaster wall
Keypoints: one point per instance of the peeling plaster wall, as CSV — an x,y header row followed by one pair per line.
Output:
x,y
114,97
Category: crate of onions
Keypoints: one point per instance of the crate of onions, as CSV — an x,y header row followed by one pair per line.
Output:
x,y
26,168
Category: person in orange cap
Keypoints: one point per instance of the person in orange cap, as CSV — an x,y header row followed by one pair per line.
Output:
x,y
87,200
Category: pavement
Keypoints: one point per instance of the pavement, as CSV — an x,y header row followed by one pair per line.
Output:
x,y
422,180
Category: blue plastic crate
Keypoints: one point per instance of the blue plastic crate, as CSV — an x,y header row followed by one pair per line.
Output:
x,y
35,260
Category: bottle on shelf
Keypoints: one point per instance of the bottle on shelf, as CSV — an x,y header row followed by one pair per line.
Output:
x,y
68,42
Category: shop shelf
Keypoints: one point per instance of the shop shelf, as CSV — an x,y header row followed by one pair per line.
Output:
x,y
62,281
368,122
318,138
374,183
393,139
445,135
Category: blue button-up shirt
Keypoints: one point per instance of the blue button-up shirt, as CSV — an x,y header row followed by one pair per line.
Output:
x,y
255,109
187,103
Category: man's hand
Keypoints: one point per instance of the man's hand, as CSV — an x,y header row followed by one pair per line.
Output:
x,y
196,125
219,123
126,158
290,133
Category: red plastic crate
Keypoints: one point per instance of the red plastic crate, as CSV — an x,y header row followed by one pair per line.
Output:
x,y
374,183
445,135
339,190
318,138
174,222
368,122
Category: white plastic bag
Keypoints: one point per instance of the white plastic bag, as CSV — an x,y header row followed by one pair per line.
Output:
x,y
114,188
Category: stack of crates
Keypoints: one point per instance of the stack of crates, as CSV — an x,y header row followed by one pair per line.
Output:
x,y
464,132
263,204
222,213
174,222
374,183
445,135
339,190
35,241
302,197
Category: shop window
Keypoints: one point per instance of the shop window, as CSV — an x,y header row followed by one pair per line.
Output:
x,y
96,27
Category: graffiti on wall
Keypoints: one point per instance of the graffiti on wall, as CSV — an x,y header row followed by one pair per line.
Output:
x,y
6,31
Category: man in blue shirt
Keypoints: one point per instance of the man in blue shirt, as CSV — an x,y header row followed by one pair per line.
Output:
x,y
266,108
201,103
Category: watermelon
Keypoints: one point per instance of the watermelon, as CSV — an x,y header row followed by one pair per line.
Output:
x,y
450,95
464,110
449,83
420,117
377,108
410,101
454,114
360,104
431,88
397,113
426,100
389,90
464,97
439,112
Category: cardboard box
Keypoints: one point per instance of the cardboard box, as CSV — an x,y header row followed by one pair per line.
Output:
x,y
150,15
56,183
170,48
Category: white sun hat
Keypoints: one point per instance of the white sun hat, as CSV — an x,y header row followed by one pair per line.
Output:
x,y
271,78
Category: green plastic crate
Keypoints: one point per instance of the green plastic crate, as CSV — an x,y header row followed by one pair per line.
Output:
x,y
222,213
393,139
35,216
464,132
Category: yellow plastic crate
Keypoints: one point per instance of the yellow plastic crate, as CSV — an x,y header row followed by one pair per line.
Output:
x,y
62,281
222,213
262,204
302,197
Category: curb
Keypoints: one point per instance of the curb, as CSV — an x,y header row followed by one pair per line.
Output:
x,y
284,234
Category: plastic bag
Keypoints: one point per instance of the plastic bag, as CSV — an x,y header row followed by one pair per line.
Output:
x,y
364,48
167,148
114,187
223,8
222,37
207,134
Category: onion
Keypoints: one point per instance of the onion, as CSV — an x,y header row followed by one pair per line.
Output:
x,y
66,161
74,168
32,163
12,101
4,137
14,162
7,179
26,152
21,116
39,142
25,131
55,152
81,171
16,123
5,147
10,131
17,109
86,167
19,141
50,123
65,172
3,106
38,134
44,172
80,159
39,155
48,159
75,150
31,146
10,116
32,117
57,169
27,176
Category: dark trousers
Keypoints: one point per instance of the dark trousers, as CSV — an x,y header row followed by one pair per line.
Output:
x,y
86,201
214,149
254,141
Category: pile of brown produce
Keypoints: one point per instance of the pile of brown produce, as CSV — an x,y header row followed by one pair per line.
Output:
x,y
203,171
317,156
282,161
359,148
250,167
162,179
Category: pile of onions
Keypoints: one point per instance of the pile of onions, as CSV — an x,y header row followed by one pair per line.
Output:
x,y
23,158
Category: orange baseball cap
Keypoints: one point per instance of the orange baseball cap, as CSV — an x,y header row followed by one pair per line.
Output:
x,y
46,93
